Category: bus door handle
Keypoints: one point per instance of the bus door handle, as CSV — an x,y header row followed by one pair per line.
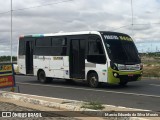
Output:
x,y
62,68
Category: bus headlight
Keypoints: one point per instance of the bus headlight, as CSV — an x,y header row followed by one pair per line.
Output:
x,y
115,74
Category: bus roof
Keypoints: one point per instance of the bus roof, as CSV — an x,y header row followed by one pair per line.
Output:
x,y
61,34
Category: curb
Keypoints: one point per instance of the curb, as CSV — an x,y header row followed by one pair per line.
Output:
x,y
19,97
66,104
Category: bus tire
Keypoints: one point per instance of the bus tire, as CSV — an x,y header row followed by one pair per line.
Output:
x,y
93,80
42,77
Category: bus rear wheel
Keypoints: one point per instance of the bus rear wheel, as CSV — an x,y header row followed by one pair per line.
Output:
x,y
93,80
42,77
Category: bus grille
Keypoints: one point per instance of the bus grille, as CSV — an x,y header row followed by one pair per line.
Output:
x,y
128,78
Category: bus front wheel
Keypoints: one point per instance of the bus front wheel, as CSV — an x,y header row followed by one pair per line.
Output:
x,y
93,80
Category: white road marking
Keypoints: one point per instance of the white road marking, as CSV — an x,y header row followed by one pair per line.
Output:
x,y
155,85
126,93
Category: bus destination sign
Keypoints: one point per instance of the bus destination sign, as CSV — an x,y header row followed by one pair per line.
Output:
x,y
7,78
115,37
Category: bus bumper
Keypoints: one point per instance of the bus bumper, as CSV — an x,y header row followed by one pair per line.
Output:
x,y
116,77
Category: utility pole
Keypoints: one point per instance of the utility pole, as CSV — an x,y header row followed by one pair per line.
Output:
x,y
11,33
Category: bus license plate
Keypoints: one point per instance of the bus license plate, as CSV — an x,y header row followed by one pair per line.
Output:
x,y
131,75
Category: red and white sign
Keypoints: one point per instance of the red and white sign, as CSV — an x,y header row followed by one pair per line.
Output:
x,y
6,75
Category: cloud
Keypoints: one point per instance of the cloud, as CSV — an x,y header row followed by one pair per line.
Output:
x,y
79,15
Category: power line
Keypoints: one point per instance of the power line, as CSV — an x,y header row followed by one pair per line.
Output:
x,y
121,27
7,31
20,9
133,25
145,24
42,5
5,12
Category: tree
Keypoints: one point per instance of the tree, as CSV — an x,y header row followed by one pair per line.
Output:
x,y
7,58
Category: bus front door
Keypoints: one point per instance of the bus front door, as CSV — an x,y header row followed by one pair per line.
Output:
x,y
29,57
77,59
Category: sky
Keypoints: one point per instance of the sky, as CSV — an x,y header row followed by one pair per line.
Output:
x,y
52,16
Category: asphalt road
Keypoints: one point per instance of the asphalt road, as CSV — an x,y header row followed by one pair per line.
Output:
x,y
144,94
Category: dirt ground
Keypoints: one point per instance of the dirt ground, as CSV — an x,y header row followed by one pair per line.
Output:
x,y
151,71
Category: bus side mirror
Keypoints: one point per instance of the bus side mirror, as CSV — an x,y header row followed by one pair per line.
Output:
x,y
100,59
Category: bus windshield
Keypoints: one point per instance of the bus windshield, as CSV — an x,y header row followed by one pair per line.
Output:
x,y
121,49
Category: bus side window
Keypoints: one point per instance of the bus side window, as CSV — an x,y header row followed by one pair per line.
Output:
x,y
64,42
99,46
92,48
95,47
43,42
21,47
95,51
